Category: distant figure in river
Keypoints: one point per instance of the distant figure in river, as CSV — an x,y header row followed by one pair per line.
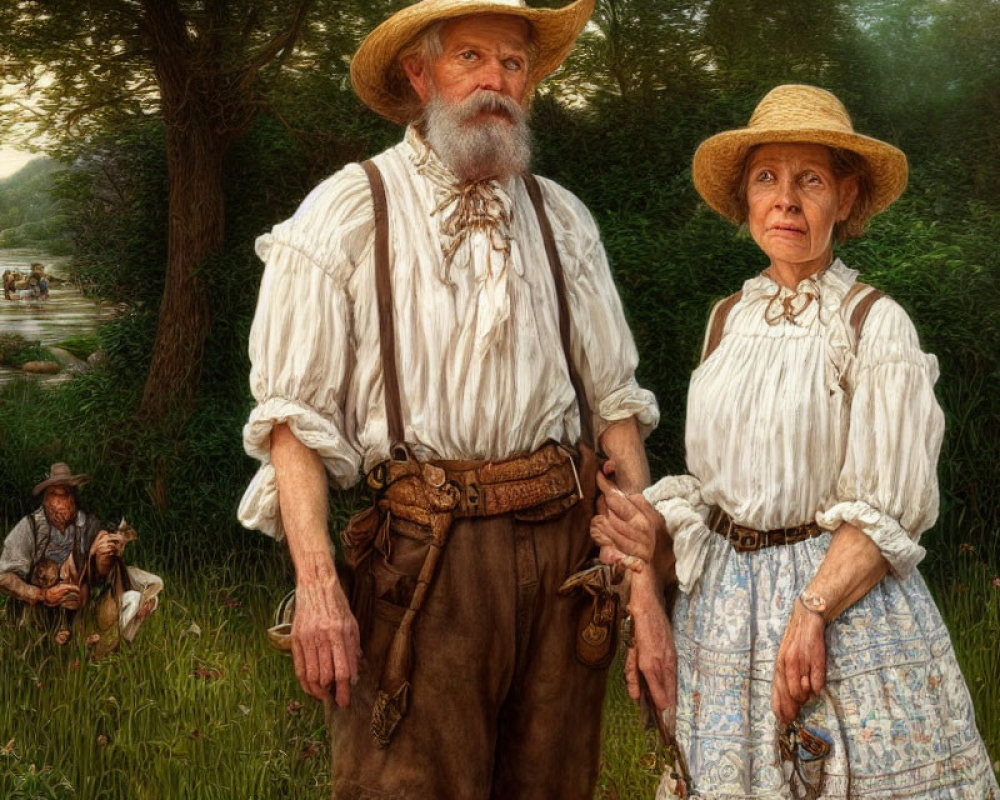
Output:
x,y
9,288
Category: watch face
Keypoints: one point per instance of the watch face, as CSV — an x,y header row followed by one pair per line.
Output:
x,y
813,602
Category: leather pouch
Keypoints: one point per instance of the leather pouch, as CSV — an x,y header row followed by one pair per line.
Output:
x,y
597,623
597,632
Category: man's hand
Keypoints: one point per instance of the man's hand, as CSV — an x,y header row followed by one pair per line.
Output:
x,y
800,670
653,655
106,548
66,595
326,643
630,530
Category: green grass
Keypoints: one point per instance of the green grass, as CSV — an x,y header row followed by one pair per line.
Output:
x,y
81,345
201,707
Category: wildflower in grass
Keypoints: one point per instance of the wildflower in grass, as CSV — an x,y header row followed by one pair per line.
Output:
x,y
231,602
102,740
995,583
8,749
293,707
195,734
961,588
965,547
311,749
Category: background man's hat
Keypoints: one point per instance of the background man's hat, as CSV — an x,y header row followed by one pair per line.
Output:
x,y
60,475
383,87
801,114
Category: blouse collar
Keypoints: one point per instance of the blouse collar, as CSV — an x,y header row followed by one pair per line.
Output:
x,y
826,288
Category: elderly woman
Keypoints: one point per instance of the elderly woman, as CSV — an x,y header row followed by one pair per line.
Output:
x,y
811,659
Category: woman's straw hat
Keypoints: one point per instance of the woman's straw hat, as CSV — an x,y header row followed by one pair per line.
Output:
x,y
800,114
59,475
383,87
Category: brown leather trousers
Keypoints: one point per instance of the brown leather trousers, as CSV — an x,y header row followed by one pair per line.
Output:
x,y
500,706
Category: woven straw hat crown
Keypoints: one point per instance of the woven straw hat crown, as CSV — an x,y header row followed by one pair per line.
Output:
x,y
380,83
800,114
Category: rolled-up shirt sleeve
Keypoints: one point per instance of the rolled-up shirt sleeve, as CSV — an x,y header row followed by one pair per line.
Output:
x,y
600,339
300,340
888,486
678,500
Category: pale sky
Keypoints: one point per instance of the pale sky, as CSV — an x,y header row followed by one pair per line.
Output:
x,y
12,160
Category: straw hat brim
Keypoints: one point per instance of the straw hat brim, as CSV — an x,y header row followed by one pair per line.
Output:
x,y
69,480
718,163
380,84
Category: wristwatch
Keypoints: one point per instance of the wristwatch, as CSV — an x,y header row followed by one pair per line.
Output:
x,y
814,602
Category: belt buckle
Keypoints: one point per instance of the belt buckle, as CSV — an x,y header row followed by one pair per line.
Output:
x,y
749,541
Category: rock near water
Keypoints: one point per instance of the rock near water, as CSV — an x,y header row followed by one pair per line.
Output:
x,y
41,367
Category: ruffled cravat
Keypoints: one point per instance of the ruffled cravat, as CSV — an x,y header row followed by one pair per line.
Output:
x,y
474,224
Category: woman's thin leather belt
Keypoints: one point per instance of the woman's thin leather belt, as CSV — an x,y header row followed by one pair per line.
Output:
x,y
748,540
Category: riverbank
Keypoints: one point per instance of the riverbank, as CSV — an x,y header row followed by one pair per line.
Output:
x,y
66,314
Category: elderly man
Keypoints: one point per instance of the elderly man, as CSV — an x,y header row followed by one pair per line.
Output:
x,y
445,323
43,556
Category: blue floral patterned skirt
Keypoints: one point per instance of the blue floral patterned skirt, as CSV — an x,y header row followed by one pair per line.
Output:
x,y
896,707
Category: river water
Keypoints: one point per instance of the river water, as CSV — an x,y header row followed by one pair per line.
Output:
x,y
66,313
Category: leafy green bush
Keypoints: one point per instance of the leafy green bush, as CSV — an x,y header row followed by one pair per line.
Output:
x,y
16,351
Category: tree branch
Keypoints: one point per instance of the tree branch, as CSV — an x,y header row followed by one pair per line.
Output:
x,y
283,42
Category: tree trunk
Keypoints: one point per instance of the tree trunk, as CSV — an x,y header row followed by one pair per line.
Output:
x,y
195,154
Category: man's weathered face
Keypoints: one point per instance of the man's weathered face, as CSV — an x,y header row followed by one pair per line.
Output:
x,y
474,95
486,52
60,505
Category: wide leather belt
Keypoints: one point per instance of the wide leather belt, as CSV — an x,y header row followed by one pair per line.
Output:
x,y
537,485
749,540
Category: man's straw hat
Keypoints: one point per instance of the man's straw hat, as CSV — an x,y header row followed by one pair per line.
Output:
x,y
59,475
383,87
801,114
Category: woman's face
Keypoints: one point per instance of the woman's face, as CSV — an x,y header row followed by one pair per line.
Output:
x,y
793,201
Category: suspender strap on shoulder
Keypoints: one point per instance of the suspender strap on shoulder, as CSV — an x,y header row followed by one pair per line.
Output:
x,y
559,279
864,305
383,287
717,323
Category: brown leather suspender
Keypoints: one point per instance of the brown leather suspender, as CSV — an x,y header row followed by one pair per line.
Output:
x,y
717,323
387,333
386,324
586,416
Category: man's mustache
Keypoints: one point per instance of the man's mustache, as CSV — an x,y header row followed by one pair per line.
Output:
x,y
489,102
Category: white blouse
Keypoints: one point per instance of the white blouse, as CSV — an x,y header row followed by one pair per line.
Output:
x,y
785,425
481,368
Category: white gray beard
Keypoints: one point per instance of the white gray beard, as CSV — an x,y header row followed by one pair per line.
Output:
x,y
483,149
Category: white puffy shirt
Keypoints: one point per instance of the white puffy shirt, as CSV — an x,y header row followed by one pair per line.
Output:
x,y
481,368
785,425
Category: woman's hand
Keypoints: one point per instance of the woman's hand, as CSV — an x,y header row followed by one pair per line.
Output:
x,y
800,670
